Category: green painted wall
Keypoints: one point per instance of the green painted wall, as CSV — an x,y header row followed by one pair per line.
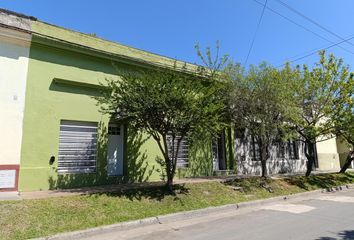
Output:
x,y
102,45
47,103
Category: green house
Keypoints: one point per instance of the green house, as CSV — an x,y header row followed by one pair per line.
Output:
x,y
66,142
54,136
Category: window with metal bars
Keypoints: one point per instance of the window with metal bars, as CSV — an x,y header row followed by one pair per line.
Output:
x,y
182,157
254,149
281,149
77,147
288,149
293,147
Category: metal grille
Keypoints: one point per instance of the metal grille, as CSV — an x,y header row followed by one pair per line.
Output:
x,y
254,149
182,157
293,149
77,147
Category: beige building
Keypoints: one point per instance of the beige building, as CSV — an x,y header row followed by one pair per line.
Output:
x,y
331,154
343,149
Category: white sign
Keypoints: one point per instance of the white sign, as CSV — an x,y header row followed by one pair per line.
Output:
x,y
7,178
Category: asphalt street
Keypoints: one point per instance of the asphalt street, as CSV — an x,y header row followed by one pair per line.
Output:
x,y
324,217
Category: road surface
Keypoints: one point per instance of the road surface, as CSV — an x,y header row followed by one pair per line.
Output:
x,y
325,217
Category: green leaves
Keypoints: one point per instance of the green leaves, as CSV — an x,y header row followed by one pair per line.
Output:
x,y
259,100
170,101
321,96
311,103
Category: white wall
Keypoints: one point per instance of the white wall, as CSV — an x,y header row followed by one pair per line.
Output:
x,y
14,51
275,165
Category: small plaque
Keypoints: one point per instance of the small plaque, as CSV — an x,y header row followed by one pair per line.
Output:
x,y
7,178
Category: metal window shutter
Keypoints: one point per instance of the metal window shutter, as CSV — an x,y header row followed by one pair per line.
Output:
x,y
182,157
77,147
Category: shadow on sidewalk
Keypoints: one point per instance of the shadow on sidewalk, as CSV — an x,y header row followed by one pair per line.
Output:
x,y
344,235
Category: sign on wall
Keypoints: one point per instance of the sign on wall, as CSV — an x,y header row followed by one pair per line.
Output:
x,y
7,178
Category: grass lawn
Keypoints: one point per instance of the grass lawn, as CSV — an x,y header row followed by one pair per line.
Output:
x,y
35,218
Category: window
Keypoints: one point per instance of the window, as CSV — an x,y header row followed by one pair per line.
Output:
x,y
182,157
281,149
113,130
293,147
287,149
254,150
77,147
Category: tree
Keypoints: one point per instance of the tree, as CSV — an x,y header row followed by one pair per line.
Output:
x,y
344,123
174,102
345,129
258,103
318,95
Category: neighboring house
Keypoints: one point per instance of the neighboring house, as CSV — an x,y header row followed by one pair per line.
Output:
x,y
53,135
15,39
343,149
285,156
288,157
327,155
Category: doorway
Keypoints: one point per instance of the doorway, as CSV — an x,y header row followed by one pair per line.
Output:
x,y
218,148
115,150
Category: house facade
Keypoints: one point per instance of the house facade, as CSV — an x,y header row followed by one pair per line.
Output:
x,y
54,135
15,39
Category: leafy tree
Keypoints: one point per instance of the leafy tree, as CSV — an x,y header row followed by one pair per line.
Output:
x,y
344,122
258,103
173,102
319,94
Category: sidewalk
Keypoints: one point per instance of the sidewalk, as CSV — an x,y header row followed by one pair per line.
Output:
x,y
108,188
6,196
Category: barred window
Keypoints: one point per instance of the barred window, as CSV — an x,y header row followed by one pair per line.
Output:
x,y
254,150
293,147
182,157
281,149
77,147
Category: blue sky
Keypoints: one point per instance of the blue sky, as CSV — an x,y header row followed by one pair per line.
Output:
x,y
172,28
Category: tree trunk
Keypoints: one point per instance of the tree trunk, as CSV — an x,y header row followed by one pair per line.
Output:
x,y
169,183
348,162
264,157
264,162
310,155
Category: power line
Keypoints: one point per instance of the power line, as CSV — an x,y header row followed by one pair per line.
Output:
x,y
312,21
255,34
318,49
301,26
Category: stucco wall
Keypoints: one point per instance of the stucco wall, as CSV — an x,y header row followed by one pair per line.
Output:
x,y
14,51
247,166
49,101
327,154
343,149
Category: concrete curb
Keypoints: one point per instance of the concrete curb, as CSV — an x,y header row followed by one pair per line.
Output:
x,y
190,214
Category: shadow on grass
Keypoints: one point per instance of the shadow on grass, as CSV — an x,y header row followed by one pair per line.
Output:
x,y
250,183
344,235
313,182
320,181
152,192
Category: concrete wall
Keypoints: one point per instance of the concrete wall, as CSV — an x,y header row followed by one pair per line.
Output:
x,y
14,52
